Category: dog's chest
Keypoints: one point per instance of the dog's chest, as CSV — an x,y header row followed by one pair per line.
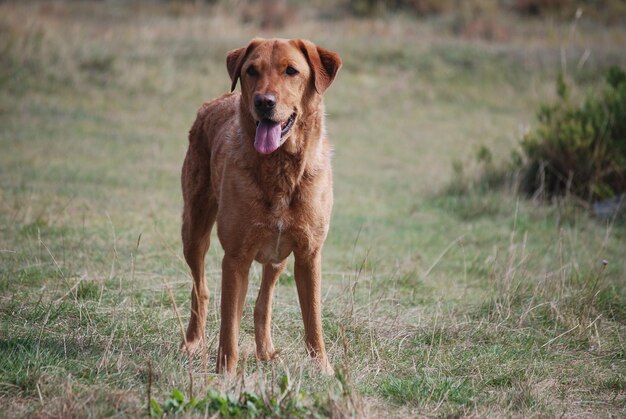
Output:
x,y
276,244
285,226
276,238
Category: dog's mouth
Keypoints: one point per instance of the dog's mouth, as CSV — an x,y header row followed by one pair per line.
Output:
x,y
271,134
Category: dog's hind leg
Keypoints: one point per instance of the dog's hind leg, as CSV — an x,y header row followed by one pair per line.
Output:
x,y
198,218
196,238
263,311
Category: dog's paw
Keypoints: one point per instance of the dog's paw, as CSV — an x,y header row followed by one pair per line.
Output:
x,y
190,347
267,355
323,366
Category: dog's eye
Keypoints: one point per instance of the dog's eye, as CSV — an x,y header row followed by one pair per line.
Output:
x,y
251,71
291,71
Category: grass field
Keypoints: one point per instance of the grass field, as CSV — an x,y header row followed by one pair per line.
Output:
x,y
435,303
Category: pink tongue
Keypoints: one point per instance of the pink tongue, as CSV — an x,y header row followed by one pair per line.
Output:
x,y
267,138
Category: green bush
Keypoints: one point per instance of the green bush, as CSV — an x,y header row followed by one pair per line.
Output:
x,y
579,149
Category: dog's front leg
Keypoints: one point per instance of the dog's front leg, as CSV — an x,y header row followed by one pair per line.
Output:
x,y
234,288
308,272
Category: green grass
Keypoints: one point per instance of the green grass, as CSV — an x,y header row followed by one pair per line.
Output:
x,y
438,299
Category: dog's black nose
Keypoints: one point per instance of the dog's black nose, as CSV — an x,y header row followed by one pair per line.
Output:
x,y
264,103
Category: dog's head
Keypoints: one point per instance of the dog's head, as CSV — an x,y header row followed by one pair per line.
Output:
x,y
281,82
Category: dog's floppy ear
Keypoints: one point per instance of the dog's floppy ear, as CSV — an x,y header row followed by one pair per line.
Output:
x,y
236,58
324,63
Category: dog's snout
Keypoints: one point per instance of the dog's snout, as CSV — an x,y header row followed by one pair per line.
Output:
x,y
264,102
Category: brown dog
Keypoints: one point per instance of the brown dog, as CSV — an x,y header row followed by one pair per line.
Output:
x,y
259,163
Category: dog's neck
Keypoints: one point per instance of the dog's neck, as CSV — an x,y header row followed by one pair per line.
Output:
x,y
281,173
